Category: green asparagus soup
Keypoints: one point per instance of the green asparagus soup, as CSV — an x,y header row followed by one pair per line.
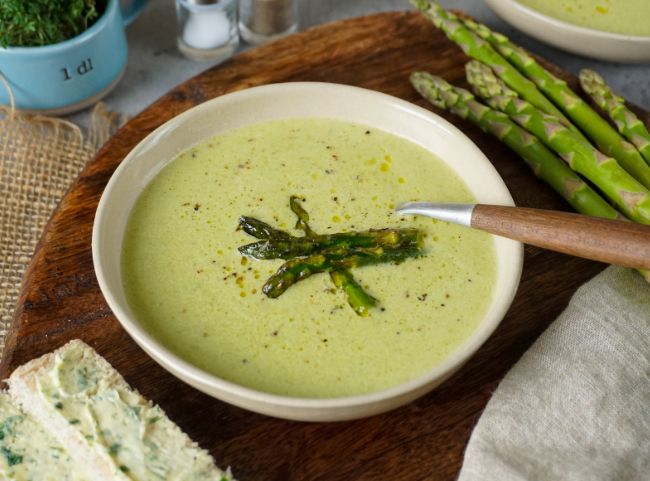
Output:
x,y
189,286
629,17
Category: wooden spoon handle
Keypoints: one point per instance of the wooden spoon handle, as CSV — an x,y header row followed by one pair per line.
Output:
x,y
612,241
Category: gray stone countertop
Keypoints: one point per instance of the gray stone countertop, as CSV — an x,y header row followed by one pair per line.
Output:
x,y
155,65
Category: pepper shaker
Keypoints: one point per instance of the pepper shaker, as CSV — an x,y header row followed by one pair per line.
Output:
x,y
264,20
207,29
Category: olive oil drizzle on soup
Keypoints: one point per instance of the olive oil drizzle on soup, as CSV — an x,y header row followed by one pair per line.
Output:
x,y
189,286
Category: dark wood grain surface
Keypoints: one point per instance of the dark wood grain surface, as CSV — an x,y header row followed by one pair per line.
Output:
x,y
61,300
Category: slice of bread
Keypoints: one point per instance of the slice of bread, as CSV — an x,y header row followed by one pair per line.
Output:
x,y
76,395
28,453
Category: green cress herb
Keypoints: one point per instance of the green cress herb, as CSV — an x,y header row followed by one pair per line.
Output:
x,y
44,22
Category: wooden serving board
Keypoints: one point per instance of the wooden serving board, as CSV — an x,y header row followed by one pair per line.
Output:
x,y
61,300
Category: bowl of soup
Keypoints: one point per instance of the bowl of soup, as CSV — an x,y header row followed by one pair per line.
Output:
x,y
167,234
613,30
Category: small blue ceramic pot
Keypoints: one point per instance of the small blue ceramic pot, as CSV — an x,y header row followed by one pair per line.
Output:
x,y
70,75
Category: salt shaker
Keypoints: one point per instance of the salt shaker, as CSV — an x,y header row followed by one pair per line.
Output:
x,y
207,29
264,20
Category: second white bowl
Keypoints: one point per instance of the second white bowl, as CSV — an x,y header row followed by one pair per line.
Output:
x,y
572,38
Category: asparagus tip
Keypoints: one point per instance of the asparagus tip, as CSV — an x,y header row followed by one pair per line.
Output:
x,y
484,81
591,81
421,5
428,86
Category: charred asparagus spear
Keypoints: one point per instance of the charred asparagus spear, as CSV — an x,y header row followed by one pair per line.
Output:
x,y
302,222
262,230
358,299
606,138
335,259
384,238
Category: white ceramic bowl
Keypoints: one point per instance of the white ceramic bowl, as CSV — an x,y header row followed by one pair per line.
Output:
x,y
572,38
300,100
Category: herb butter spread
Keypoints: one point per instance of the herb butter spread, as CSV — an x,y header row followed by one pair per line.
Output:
x,y
628,17
111,423
189,286
28,452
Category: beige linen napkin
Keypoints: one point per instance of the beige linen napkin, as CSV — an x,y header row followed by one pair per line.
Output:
x,y
577,405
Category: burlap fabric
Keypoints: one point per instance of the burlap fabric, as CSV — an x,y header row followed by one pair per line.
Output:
x,y
39,158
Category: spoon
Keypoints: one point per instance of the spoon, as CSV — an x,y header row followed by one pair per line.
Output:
x,y
611,241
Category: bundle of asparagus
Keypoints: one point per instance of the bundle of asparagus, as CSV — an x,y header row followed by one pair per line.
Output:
x,y
538,116
332,253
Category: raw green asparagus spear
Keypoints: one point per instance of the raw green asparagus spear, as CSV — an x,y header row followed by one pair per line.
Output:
x,y
261,230
544,163
335,259
357,297
372,238
632,198
304,246
626,121
477,48
606,138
